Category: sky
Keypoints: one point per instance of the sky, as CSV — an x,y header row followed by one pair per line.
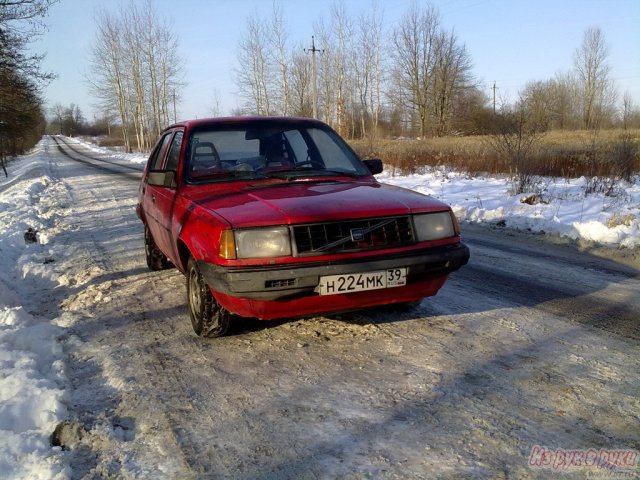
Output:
x,y
511,42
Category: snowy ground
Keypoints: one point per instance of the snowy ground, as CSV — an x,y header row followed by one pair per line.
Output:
x,y
465,385
560,206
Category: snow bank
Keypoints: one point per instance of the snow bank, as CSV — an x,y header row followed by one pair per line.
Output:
x,y
557,206
111,153
30,394
32,376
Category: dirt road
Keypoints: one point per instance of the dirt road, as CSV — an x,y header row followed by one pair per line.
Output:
x,y
532,343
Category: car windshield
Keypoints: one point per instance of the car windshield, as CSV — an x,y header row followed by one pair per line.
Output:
x,y
268,150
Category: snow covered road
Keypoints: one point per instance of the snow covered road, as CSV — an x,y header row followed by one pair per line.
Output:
x,y
533,343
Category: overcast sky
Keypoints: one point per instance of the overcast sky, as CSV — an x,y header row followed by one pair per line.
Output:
x,y
510,42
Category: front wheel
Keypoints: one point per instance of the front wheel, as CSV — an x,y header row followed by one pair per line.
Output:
x,y
208,318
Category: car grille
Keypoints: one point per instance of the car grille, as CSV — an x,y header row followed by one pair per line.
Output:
x,y
353,235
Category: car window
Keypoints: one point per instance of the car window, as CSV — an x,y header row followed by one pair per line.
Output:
x,y
258,149
298,145
158,155
334,154
174,152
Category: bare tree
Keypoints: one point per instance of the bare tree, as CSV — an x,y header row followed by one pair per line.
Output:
x,y
108,80
325,73
366,69
152,49
133,55
452,74
563,104
278,36
215,109
627,110
170,71
253,71
514,139
57,111
592,74
135,67
414,52
300,84
343,33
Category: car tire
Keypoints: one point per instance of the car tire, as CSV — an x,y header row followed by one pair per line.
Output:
x,y
156,260
208,318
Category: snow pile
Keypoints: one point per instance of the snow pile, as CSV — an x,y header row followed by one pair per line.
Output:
x,y
557,206
30,394
109,152
31,359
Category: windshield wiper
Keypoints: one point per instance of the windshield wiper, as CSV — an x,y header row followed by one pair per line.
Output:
x,y
297,173
227,176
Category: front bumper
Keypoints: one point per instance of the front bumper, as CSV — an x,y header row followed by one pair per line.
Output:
x,y
280,282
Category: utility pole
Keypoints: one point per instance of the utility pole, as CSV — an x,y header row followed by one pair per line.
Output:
x,y
494,97
313,51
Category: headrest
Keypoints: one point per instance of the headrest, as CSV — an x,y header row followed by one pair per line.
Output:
x,y
202,145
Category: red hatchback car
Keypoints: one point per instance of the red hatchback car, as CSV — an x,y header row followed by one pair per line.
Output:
x,y
278,217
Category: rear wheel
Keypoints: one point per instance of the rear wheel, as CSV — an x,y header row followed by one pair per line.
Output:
x,y
208,318
156,260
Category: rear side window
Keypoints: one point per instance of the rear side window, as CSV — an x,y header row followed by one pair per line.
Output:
x,y
158,155
174,152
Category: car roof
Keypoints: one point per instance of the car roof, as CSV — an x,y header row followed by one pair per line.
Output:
x,y
189,124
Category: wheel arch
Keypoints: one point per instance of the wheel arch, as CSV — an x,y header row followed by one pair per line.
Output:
x,y
199,238
183,255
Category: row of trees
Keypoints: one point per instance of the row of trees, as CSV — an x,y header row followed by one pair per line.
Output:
x,y
423,86
67,121
136,71
417,79
584,97
21,113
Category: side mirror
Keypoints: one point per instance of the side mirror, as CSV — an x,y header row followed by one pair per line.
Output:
x,y
374,165
162,178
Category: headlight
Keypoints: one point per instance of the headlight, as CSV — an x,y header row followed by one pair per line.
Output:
x,y
263,242
433,226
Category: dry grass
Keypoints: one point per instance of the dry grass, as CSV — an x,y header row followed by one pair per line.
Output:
x,y
105,141
619,219
557,154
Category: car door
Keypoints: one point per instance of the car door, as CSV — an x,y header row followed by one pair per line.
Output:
x,y
150,192
165,196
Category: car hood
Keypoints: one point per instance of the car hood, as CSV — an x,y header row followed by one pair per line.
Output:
x,y
261,204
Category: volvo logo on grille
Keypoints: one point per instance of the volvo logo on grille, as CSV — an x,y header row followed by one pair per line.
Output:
x,y
357,234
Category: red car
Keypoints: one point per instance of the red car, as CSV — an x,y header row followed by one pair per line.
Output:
x,y
278,217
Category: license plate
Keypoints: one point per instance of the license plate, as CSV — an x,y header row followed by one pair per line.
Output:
x,y
358,282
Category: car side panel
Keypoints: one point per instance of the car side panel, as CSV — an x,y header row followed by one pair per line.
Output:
x,y
151,193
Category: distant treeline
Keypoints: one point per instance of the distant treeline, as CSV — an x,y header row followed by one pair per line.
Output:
x,y
416,80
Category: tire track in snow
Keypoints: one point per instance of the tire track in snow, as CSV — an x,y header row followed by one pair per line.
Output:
x,y
129,176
